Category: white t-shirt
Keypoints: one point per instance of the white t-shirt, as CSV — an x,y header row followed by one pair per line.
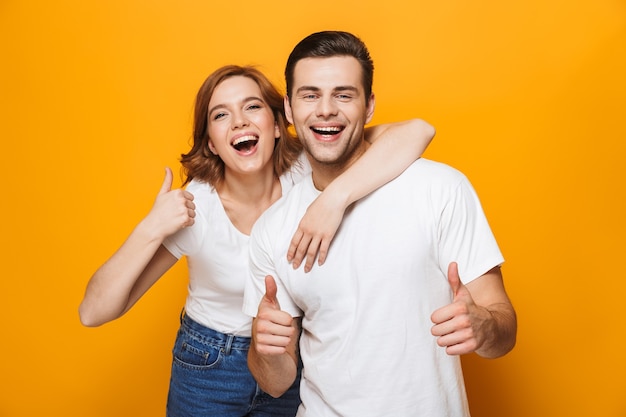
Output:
x,y
366,344
217,257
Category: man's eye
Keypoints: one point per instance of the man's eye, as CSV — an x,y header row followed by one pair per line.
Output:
x,y
309,96
344,97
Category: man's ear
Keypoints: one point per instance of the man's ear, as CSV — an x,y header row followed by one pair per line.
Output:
x,y
371,104
287,109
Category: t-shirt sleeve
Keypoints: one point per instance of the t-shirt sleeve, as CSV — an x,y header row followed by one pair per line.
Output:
x,y
261,264
466,237
300,169
184,242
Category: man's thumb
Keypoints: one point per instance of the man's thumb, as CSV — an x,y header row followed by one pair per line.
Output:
x,y
453,278
270,292
167,181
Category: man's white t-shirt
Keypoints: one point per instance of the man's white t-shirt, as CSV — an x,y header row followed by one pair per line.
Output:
x,y
366,344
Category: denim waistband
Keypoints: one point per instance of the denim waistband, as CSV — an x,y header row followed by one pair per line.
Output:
x,y
209,336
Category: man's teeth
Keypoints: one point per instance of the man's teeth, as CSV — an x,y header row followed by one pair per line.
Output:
x,y
329,129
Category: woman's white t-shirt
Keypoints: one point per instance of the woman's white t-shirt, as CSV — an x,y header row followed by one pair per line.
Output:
x,y
217,258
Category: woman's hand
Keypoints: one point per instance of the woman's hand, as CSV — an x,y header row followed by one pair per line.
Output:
x,y
316,230
172,209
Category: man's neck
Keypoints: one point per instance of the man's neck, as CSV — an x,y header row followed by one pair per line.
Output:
x,y
324,173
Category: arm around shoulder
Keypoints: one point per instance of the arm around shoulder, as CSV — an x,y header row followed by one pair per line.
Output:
x,y
395,146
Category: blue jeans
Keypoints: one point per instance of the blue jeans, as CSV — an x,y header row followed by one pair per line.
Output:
x,y
210,377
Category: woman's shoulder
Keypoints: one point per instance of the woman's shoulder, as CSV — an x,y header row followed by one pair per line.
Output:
x,y
199,186
299,170
205,197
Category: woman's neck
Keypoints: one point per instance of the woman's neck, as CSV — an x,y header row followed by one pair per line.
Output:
x,y
246,197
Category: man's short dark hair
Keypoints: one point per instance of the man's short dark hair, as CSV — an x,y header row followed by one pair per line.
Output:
x,y
328,44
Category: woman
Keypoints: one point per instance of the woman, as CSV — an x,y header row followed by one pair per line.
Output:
x,y
242,160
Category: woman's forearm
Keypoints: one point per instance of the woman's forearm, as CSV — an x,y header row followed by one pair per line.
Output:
x,y
113,288
394,148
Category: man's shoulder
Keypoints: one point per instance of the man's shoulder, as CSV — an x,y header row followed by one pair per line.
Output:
x,y
435,171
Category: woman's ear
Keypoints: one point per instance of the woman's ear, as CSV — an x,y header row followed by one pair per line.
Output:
x,y
276,131
212,148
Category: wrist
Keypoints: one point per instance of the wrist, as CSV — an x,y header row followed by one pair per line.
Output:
x,y
148,229
499,333
337,196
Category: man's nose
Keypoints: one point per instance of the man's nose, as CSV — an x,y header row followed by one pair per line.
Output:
x,y
326,107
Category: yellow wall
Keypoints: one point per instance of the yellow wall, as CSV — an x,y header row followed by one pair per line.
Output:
x,y
529,99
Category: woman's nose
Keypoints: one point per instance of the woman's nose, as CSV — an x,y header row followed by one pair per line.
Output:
x,y
239,120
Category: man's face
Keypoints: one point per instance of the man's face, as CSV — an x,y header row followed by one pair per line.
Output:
x,y
328,109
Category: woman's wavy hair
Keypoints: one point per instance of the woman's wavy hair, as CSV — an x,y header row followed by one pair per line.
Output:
x,y
200,163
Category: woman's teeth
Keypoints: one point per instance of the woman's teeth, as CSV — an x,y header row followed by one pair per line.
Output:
x,y
245,142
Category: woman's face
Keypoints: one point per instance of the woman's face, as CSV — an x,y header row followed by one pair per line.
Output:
x,y
241,126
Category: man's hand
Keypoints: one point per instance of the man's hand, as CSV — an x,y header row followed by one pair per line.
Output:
x,y
272,328
461,326
272,357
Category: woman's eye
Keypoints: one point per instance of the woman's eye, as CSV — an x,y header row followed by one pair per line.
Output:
x,y
218,116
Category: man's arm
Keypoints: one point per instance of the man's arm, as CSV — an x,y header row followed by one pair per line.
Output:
x,y
480,318
272,357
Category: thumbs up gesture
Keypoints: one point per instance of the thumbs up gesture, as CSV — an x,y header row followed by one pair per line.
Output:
x,y
172,209
272,328
460,326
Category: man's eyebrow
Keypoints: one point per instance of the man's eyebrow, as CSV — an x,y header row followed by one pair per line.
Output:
x,y
346,88
307,88
335,89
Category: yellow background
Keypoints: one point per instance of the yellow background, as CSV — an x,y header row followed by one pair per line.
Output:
x,y
528,98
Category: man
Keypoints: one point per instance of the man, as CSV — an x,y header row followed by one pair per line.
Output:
x,y
382,323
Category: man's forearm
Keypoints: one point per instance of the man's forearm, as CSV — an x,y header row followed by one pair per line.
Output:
x,y
275,373
501,337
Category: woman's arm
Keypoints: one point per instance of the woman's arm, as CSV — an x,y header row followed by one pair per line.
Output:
x,y
394,148
141,260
